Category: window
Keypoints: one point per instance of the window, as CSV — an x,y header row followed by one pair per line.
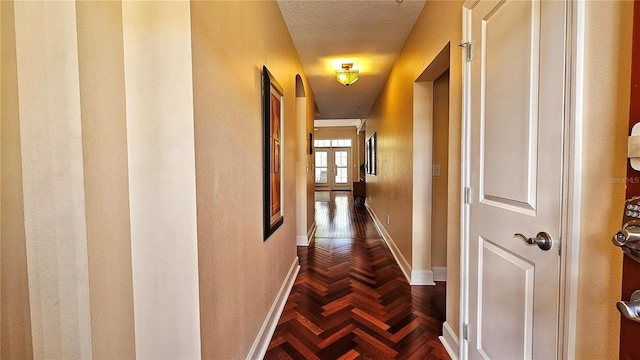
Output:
x,y
332,143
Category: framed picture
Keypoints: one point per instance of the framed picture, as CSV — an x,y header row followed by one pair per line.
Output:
x,y
374,150
370,155
367,156
272,122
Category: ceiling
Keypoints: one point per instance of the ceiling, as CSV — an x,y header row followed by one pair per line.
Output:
x,y
367,33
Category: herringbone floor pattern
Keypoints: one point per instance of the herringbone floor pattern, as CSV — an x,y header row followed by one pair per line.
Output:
x,y
351,301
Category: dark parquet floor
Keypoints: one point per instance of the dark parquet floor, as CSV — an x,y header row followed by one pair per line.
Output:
x,y
351,300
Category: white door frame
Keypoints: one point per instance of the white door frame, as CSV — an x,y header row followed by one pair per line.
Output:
x,y
571,183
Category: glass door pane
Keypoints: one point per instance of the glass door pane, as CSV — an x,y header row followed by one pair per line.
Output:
x,y
341,161
322,167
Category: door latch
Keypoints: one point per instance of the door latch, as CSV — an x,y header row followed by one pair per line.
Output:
x,y
543,240
630,309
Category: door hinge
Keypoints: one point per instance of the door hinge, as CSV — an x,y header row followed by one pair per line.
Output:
x,y
467,195
465,332
467,47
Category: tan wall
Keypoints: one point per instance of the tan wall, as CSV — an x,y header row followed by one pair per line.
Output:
x,y
14,288
346,132
104,134
391,117
606,100
239,273
440,183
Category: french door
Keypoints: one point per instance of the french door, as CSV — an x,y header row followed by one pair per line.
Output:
x,y
332,166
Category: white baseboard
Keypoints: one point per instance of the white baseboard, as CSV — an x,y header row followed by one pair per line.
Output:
x,y
450,341
303,240
439,273
261,343
414,277
422,277
400,259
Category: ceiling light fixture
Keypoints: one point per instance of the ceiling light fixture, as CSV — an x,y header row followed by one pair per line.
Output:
x,y
347,75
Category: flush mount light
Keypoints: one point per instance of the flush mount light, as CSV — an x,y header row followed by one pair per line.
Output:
x,y
347,75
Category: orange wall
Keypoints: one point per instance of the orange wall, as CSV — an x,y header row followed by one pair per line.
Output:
x,y
390,192
606,99
607,86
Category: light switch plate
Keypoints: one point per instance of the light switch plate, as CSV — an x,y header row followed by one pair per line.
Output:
x,y
436,170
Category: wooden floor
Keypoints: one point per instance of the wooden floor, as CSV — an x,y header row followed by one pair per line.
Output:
x,y
351,301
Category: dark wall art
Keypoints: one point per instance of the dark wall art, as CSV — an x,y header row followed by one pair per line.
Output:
x,y
273,116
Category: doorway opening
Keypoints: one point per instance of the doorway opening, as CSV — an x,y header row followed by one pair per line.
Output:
x,y
440,173
430,172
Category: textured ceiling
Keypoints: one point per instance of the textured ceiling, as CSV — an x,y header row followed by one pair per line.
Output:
x,y
367,33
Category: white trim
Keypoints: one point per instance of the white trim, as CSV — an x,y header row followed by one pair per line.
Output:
x,y
422,197
465,180
302,240
312,231
422,277
414,277
439,273
450,341
261,343
400,259
572,188
570,222
305,240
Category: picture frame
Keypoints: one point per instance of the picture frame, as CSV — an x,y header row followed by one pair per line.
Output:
x,y
367,156
370,157
374,154
273,147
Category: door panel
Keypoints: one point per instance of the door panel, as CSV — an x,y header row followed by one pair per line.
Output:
x,y
342,165
322,168
517,116
509,164
508,298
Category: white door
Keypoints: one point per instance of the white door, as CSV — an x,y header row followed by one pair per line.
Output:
x,y
322,169
333,167
342,169
517,115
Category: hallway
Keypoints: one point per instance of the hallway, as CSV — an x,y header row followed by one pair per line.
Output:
x,y
350,299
